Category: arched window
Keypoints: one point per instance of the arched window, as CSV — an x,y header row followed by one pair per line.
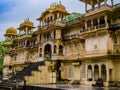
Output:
x,y
103,72
102,20
96,72
89,23
89,73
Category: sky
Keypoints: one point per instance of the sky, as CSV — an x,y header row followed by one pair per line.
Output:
x,y
14,12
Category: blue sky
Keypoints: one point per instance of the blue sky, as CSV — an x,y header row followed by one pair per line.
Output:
x,y
13,12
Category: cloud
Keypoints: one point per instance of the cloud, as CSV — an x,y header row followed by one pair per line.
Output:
x,y
18,10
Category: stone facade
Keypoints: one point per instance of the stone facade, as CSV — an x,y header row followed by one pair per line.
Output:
x,y
74,47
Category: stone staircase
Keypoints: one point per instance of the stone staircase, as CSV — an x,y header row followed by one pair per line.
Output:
x,y
19,79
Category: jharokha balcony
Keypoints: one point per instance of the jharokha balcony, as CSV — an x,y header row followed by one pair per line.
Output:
x,y
93,29
53,24
99,9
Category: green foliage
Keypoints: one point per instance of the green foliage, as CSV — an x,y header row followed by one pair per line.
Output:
x,y
2,49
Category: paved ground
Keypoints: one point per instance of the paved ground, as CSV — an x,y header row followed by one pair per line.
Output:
x,y
78,87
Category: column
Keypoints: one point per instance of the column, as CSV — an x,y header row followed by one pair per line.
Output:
x,y
85,25
57,49
86,7
105,1
112,3
98,22
99,71
26,30
92,23
106,18
98,3
57,16
92,4
93,72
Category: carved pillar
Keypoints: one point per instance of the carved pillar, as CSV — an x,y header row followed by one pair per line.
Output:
x,y
92,4
112,3
99,71
106,19
93,72
91,23
85,25
57,49
98,3
98,21
86,7
26,30
105,1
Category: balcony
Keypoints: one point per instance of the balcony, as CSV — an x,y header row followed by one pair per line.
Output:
x,y
73,36
57,57
25,36
99,9
93,29
54,23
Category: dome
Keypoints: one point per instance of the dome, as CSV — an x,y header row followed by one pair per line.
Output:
x,y
11,32
26,23
72,17
54,8
57,7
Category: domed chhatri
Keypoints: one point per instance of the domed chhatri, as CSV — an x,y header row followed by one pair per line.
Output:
x,y
11,32
56,7
26,23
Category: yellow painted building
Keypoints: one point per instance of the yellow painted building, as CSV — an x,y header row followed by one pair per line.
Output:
x,y
67,48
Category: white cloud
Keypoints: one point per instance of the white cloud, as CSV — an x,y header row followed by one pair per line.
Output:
x,y
32,9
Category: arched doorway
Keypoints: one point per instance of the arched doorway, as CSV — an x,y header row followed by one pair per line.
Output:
x,y
48,52
96,72
103,72
89,73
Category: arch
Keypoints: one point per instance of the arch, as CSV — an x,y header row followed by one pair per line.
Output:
x,y
89,73
102,20
96,72
61,50
95,22
27,43
89,23
47,51
103,72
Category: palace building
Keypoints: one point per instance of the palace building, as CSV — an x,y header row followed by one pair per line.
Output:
x,y
66,48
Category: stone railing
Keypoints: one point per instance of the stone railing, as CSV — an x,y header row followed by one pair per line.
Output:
x,y
73,36
93,28
99,9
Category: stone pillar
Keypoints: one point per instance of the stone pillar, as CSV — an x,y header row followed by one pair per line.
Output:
x,y
57,49
112,3
91,23
52,49
92,4
86,7
105,1
57,16
93,72
99,71
106,18
98,21
26,30
98,3
85,25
